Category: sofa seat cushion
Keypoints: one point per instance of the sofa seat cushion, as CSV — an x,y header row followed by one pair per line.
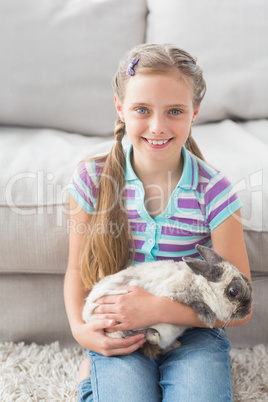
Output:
x,y
36,167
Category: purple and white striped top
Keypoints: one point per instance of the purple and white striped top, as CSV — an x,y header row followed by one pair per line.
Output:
x,y
202,200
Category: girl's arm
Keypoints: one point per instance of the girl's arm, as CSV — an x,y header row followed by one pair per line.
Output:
x,y
91,335
143,309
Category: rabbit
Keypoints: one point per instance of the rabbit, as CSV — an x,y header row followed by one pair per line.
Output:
x,y
213,287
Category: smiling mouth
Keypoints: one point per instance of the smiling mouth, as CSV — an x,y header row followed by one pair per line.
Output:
x,y
157,142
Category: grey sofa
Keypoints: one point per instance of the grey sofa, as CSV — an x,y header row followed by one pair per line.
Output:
x,y
56,108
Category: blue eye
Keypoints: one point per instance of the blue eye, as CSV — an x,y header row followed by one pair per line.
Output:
x,y
142,110
175,112
233,292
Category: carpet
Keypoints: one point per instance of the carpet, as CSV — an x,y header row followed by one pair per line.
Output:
x,y
49,373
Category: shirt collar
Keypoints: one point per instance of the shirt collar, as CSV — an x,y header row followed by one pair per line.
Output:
x,y
189,177
130,174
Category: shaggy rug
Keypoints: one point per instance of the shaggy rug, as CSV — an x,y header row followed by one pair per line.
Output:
x,y
49,373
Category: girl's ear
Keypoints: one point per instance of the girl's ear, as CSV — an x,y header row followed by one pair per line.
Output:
x,y
196,113
118,107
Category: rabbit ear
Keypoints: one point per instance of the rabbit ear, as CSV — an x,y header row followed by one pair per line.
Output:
x,y
209,255
200,267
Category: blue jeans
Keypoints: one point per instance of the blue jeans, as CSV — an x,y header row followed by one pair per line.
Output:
x,y
198,371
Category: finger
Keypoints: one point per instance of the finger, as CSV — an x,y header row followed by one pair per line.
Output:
x,y
105,317
129,349
102,324
112,297
127,288
124,343
105,308
106,300
119,327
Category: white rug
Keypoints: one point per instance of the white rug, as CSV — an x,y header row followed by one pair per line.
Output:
x,y
49,373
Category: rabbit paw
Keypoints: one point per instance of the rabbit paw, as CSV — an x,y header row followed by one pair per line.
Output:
x,y
152,336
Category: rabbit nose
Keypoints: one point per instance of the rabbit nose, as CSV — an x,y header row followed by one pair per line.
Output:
x,y
245,309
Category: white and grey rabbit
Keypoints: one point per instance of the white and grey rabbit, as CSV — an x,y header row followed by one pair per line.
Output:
x,y
213,287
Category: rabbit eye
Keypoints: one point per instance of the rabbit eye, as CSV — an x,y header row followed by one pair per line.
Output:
x,y
233,292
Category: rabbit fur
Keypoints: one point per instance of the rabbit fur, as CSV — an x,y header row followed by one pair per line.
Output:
x,y
213,287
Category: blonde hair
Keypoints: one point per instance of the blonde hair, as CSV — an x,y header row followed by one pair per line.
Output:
x,y
103,253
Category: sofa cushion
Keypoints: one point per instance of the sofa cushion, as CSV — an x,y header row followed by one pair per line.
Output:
x,y
34,196
242,156
32,310
58,59
240,151
230,40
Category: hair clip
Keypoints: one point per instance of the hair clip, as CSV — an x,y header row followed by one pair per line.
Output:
x,y
130,69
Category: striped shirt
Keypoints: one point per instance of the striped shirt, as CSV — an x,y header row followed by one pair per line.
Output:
x,y
202,200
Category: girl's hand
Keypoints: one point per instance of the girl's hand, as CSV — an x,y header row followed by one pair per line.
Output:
x,y
92,336
134,310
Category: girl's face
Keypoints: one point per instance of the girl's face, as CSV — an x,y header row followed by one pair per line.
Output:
x,y
158,113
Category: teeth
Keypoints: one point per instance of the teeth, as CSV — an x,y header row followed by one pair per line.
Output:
x,y
157,142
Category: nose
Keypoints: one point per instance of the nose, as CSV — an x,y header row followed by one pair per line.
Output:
x,y
157,124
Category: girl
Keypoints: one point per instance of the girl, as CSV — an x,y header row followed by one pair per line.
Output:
x,y
155,200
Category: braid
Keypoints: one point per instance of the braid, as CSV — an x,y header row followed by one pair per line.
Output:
x,y
192,146
119,129
106,251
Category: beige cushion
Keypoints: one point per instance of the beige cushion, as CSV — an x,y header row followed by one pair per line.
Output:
x,y
58,59
242,156
230,40
33,196
32,310
240,151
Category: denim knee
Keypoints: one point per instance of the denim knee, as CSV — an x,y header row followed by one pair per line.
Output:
x,y
132,378
200,370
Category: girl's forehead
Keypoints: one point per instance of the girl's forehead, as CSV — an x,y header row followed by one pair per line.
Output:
x,y
171,84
